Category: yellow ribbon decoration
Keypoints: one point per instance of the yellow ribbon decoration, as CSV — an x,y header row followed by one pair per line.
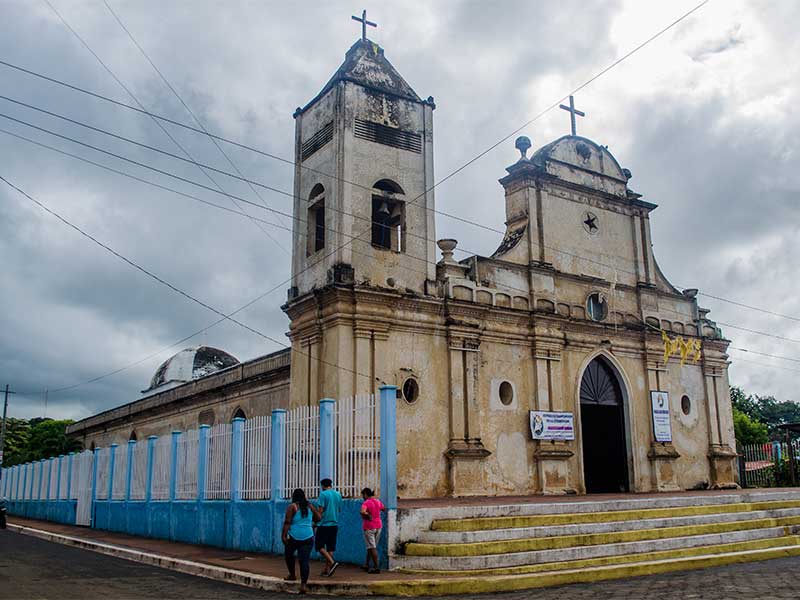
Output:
x,y
691,348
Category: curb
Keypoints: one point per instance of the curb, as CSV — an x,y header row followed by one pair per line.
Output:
x,y
205,570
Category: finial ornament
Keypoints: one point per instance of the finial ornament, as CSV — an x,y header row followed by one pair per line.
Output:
x,y
364,23
523,144
572,112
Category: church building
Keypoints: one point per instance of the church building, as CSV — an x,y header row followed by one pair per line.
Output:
x,y
563,363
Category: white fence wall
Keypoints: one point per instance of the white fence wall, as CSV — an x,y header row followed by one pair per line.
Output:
x,y
302,451
139,471
256,455
120,473
186,487
357,445
103,465
162,455
52,472
218,463
62,485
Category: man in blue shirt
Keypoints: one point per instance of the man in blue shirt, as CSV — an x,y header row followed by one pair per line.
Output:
x,y
330,502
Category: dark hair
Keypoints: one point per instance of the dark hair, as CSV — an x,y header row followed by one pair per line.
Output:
x,y
326,483
299,498
367,492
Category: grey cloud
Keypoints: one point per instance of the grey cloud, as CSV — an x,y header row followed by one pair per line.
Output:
x,y
70,312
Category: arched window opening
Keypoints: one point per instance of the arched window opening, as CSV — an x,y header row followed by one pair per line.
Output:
x,y
238,414
132,437
315,220
388,217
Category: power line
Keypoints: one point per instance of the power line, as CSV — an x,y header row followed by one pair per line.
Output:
x,y
178,96
447,177
251,182
797,360
168,284
748,306
754,362
239,198
238,213
85,44
269,223
772,335
223,139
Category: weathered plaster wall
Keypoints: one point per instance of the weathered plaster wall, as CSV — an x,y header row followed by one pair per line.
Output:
x,y
256,387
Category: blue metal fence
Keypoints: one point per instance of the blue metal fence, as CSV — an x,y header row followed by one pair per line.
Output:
x,y
191,488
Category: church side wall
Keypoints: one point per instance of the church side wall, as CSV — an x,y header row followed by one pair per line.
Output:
x,y
186,414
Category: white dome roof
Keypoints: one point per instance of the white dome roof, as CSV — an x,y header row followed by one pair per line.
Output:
x,y
190,364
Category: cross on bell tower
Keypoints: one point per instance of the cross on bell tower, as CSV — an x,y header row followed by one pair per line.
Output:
x,y
571,110
364,23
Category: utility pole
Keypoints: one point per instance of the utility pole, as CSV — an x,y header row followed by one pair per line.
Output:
x,y
3,427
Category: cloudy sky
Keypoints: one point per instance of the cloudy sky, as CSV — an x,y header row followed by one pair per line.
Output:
x,y
702,116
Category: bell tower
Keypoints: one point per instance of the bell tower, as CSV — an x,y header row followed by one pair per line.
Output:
x,y
364,165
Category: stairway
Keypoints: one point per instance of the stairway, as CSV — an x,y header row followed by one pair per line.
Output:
x,y
539,544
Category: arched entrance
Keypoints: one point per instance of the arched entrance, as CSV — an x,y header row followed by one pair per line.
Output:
x,y
605,453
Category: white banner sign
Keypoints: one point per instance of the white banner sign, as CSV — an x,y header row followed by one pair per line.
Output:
x,y
552,425
662,427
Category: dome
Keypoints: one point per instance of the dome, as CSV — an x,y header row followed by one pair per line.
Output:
x,y
190,364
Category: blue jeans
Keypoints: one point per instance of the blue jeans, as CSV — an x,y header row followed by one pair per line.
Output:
x,y
303,549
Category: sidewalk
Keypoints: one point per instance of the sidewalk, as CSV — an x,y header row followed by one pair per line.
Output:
x,y
260,571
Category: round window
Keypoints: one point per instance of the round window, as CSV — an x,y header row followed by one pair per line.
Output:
x,y
686,405
410,390
596,307
506,393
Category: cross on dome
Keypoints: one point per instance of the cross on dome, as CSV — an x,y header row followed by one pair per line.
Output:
x,y
364,23
571,110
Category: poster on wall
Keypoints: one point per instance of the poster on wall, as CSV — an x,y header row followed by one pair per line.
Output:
x,y
547,425
662,427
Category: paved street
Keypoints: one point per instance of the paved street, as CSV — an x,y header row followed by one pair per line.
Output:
x,y
31,568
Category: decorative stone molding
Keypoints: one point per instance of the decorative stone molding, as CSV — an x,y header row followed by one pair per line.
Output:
x,y
553,468
723,467
662,457
472,449
466,467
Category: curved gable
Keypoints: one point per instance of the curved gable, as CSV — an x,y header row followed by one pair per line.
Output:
x,y
584,162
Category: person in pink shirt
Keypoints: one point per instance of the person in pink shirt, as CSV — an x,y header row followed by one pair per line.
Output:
x,y
372,525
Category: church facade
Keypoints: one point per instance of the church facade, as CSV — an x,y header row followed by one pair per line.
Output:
x,y
565,362
569,315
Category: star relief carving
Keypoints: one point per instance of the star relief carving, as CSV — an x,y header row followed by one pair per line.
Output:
x,y
590,223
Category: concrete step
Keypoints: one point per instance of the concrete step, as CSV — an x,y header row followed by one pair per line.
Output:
x,y
602,526
590,539
413,520
758,544
607,516
509,583
533,557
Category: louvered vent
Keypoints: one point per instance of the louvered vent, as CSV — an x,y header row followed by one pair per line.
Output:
x,y
388,136
317,141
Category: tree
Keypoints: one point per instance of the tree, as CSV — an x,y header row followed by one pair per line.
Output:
x,y
766,410
16,441
48,438
748,431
